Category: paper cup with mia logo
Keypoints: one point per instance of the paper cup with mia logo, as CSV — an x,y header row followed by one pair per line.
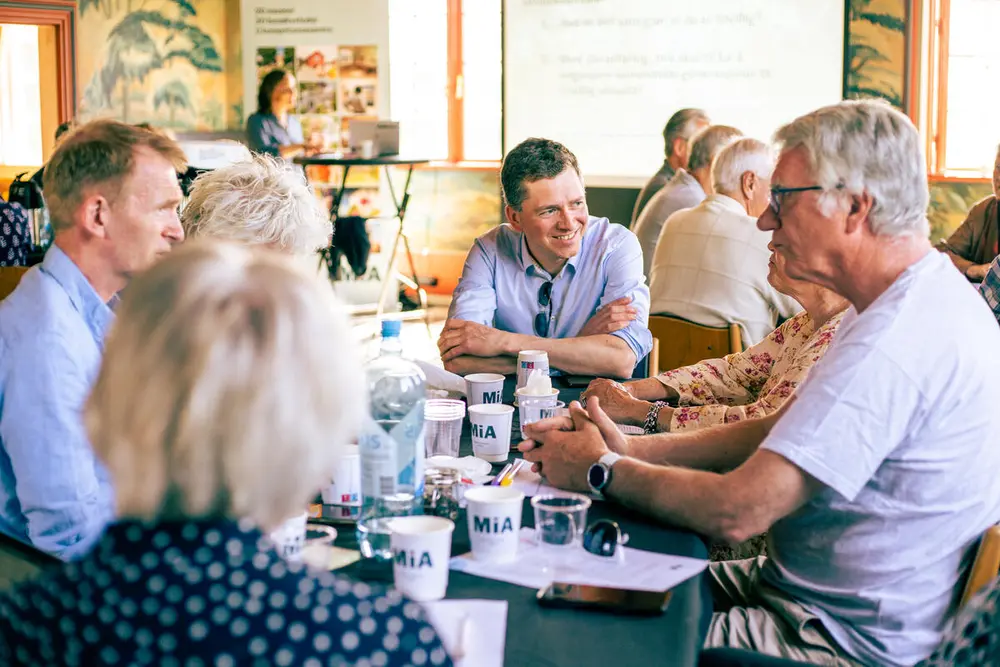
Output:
x,y
421,549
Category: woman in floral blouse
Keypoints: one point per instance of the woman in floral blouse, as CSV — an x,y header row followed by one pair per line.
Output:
x,y
744,385
15,239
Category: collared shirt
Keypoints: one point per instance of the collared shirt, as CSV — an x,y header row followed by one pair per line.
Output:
x,y
683,191
207,592
710,267
658,181
500,283
54,493
899,424
990,287
266,134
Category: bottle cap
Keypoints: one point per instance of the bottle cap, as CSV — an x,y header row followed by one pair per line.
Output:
x,y
391,328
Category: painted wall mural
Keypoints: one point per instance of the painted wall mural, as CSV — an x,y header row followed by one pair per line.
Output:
x,y
164,62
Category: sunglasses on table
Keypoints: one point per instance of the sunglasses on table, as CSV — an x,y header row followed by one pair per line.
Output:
x,y
603,537
543,318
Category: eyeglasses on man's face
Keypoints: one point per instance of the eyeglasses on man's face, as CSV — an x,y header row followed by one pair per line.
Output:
x,y
778,195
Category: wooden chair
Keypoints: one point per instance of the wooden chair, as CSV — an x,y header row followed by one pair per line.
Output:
x,y
986,566
678,342
10,276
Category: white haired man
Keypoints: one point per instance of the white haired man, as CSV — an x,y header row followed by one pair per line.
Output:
x,y
880,476
711,262
686,189
262,202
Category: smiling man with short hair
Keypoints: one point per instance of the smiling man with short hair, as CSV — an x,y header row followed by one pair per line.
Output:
x,y
552,278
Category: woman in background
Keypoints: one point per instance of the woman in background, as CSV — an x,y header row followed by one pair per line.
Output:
x,y
273,129
218,408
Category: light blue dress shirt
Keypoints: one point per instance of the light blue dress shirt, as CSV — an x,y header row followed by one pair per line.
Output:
x,y
54,493
500,283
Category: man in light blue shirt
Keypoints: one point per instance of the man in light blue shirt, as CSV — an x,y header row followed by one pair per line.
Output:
x,y
553,279
112,194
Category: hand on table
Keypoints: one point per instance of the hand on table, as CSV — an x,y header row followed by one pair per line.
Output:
x,y
612,317
617,401
563,448
461,337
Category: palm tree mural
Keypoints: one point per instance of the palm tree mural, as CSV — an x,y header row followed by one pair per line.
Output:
x,y
174,95
871,71
146,40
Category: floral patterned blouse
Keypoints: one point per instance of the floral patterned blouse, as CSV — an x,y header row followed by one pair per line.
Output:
x,y
973,639
751,383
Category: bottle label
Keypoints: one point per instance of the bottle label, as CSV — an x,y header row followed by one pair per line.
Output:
x,y
392,461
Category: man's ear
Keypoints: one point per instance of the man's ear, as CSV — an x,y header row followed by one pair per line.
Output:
x,y
94,215
680,148
513,217
861,207
748,184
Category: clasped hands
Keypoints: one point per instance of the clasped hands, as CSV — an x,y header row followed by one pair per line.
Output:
x,y
563,448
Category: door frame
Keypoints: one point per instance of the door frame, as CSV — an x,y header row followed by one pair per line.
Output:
x,y
62,15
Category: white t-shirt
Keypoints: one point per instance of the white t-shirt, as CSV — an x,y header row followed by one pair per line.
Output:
x,y
901,423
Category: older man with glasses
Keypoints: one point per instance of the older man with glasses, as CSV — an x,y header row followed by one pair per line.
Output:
x,y
876,481
552,278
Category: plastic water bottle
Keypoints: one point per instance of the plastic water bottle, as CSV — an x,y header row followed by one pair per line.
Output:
x,y
391,444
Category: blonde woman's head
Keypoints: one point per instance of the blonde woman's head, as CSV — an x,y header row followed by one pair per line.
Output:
x,y
261,201
230,383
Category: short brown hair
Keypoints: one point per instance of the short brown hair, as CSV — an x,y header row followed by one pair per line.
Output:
x,y
532,160
101,152
707,144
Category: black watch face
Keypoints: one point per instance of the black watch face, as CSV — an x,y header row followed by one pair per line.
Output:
x,y
596,476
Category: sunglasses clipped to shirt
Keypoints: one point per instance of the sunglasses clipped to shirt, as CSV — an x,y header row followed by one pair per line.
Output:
x,y
543,318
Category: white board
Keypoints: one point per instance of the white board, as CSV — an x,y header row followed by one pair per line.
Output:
x,y
603,76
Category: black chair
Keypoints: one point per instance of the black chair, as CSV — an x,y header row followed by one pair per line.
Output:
x,y
730,657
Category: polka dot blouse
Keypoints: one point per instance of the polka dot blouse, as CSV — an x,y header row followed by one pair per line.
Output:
x,y
15,238
201,594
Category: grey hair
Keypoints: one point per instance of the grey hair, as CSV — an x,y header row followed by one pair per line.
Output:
x,y
866,145
737,159
682,126
261,201
707,144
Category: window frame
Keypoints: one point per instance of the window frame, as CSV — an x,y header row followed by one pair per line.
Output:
x,y
927,65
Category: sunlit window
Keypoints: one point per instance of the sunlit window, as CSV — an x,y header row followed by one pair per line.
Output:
x,y
481,73
20,96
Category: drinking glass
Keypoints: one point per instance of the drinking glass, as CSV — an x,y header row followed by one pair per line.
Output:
x,y
532,410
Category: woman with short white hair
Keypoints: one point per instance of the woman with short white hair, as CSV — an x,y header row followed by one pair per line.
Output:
x,y
262,201
219,406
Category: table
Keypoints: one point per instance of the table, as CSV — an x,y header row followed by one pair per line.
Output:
x,y
400,204
543,637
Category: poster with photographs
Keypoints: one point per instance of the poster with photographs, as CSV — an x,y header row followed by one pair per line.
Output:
x,y
271,58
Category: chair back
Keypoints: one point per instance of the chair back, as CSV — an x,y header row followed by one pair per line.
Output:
x,y
678,342
986,566
10,276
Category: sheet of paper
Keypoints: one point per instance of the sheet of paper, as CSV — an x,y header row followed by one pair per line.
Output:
x,y
531,484
537,567
473,631
439,378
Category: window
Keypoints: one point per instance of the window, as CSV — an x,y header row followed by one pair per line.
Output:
x,y
20,96
960,110
445,80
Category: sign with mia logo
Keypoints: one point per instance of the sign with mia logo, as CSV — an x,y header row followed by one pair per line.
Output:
x,y
412,559
492,524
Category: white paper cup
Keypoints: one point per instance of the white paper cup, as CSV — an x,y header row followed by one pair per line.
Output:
x,y
345,487
290,537
367,149
490,425
528,361
494,522
421,548
484,388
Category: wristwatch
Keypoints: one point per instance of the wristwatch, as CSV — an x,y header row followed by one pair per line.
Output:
x,y
599,475
652,417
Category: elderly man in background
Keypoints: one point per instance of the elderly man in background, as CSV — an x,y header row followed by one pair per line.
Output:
x,y
686,189
553,279
112,194
877,480
262,201
976,242
711,262
677,134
